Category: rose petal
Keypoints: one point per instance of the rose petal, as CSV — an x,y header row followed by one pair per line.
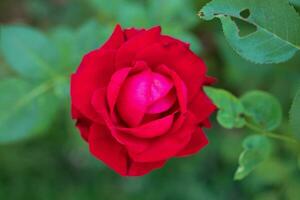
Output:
x,y
134,98
153,54
116,39
128,50
177,56
168,145
163,104
185,63
160,86
209,80
151,129
99,103
75,113
139,169
132,32
106,148
83,125
115,85
179,86
201,106
197,142
95,71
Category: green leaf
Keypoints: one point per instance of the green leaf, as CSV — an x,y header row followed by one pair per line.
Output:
x,y
230,108
258,47
295,2
28,52
271,42
256,150
64,40
295,115
263,109
26,110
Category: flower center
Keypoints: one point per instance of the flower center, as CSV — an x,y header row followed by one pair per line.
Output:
x,y
145,93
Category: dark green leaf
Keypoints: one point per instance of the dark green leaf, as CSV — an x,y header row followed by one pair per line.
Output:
x,y
256,150
230,108
295,115
263,109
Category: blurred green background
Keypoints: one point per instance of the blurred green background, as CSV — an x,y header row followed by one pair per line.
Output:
x,y
53,162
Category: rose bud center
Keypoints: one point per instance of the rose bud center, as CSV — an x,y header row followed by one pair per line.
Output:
x,y
145,95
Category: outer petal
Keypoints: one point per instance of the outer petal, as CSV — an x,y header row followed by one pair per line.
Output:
x,y
106,148
132,32
116,39
139,169
95,71
197,142
201,106
168,145
179,86
84,126
151,129
126,53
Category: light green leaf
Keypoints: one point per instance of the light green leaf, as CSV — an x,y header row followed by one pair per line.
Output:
x,y
26,110
64,40
295,115
271,42
295,2
256,150
258,47
28,52
230,108
263,109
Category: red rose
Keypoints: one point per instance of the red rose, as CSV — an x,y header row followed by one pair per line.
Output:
x,y
138,100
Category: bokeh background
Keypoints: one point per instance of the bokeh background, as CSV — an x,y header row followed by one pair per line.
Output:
x,y
54,162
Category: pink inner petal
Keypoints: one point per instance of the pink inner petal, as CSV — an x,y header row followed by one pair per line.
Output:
x,y
160,86
145,92
133,98
163,104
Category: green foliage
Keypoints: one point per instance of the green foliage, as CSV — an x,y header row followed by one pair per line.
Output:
x,y
28,52
256,150
263,109
271,42
295,115
40,64
25,109
230,108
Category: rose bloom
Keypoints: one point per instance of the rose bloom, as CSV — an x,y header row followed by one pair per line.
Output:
x,y
138,100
